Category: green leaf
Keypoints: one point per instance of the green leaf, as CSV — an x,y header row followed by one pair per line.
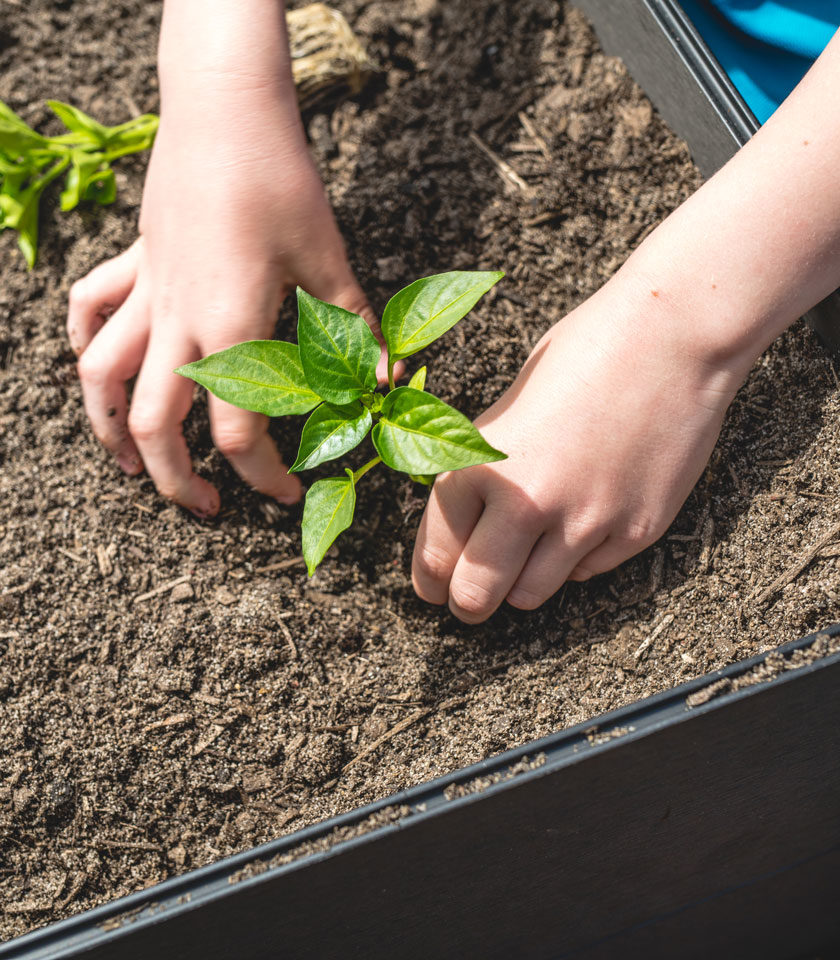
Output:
x,y
330,431
134,135
338,352
418,379
427,479
427,308
10,118
265,376
328,511
102,187
16,135
79,122
11,211
420,434
28,232
83,171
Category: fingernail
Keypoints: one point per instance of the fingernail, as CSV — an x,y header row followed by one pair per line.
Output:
x,y
205,512
288,501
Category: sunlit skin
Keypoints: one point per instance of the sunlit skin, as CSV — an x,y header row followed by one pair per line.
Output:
x,y
623,399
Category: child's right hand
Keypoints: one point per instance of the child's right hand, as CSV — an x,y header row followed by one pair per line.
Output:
x,y
607,428
234,216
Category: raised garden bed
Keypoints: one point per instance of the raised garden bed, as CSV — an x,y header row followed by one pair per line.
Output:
x,y
632,836
172,692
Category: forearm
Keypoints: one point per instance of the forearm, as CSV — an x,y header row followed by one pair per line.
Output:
x,y
227,47
759,244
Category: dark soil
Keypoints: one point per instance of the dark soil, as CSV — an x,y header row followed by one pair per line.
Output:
x,y
140,737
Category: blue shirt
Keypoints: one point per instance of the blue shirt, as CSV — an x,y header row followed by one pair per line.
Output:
x,y
765,46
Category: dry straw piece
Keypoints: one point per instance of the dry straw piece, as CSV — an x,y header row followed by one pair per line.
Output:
x,y
326,54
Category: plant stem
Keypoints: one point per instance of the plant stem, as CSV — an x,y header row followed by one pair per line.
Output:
x,y
51,174
391,384
358,474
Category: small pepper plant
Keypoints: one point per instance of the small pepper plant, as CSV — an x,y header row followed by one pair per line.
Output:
x,y
330,373
29,162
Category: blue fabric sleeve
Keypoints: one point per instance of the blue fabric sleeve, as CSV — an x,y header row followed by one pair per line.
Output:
x,y
765,46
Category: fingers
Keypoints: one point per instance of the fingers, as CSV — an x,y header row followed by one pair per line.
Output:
x,y
243,438
98,295
476,549
550,565
490,563
161,401
607,556
113,357
450,516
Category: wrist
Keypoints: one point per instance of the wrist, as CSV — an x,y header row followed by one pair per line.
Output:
x,y
218,48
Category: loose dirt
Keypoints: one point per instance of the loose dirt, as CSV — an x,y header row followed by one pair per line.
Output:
x,y
172,691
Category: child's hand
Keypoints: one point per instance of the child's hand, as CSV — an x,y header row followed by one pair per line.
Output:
x,y
234,215
607,428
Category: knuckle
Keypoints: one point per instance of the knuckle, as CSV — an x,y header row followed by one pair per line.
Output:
x,y
235,440
587,529
80,297
91,369
520,508
433,564
145,425
642,531
530,516
472,599
168,489
107,434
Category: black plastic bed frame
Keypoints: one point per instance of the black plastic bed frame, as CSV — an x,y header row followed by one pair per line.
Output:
x,y
683,826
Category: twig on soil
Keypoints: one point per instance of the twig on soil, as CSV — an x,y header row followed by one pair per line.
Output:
x,y
736,480
178,720
126,844
505,170
796,568
287,633
163,588
103,559
75,888
666,621
20,588
531,130
280,565
399,727
71,555
207,738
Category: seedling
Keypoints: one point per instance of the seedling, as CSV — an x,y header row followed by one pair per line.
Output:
x,y
30,161
331,374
